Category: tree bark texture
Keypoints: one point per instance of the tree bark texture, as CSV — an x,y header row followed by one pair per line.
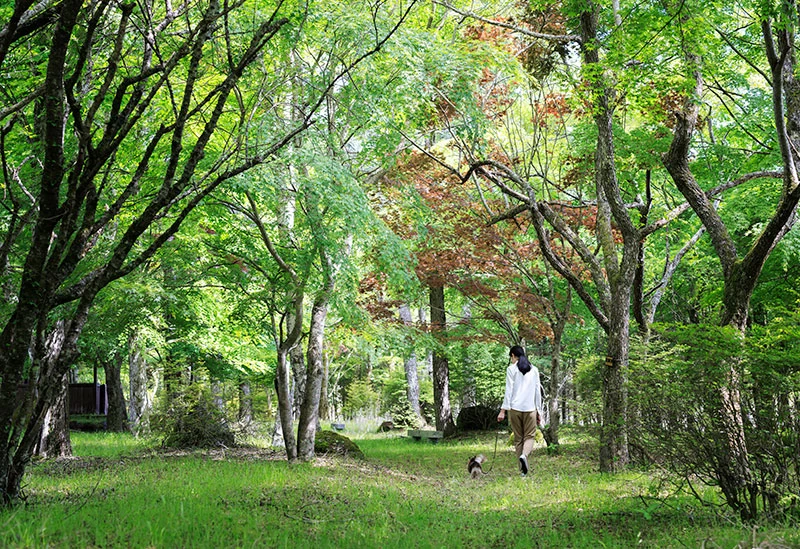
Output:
x,y
298,362
441,369
54,438
32,297
117,418
309,411
325,410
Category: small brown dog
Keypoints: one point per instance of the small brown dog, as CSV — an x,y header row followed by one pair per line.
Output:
x,y
474,466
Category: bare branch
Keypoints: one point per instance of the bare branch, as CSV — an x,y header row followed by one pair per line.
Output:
x,y
256,217
670,267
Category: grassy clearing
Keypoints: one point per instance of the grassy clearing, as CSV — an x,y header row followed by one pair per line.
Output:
x,y
119,493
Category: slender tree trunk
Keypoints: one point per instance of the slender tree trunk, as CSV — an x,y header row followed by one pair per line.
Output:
x,y
298,362
282,387
245,414
117,418
427,363
410,367
553,405
216,393
469,396
619,271
309,412
441,369
139,398
412,384
324,401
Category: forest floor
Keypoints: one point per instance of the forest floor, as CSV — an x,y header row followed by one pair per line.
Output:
x,y
124,492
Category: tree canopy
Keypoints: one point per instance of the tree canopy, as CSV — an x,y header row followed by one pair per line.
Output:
x,y
309,197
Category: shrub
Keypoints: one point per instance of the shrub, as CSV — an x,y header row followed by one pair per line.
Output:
x,y
477,418
404,416
678,410
192,420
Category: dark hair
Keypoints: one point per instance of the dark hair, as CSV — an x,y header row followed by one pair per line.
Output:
x,y
523,364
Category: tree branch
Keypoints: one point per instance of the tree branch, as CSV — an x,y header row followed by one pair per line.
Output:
x,y
560,38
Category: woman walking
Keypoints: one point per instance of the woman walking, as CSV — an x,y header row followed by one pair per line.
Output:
x,y
522,401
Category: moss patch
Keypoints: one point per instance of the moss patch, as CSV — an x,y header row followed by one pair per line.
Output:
x,y
328,442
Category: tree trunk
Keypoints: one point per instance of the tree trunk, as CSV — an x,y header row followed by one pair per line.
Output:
x,y
469,395
309,412
410,367
298,362
16,432
558,323
427,364
53,434
324,401
282,387
217,395
139,398
619,271
554,405
52,357
117,418
54,438
245,415
441,371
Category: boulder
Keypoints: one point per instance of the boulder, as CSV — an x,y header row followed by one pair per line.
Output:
x,y
328,442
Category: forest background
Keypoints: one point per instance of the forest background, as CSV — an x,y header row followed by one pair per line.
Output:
x,y
288,213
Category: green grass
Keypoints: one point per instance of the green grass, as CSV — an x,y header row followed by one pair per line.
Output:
x,y
107,445
119,493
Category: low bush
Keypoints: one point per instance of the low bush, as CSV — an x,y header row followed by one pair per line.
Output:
x,y
192,420
692,382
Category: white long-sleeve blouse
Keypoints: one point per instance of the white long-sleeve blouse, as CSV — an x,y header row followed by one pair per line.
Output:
x,y
523,392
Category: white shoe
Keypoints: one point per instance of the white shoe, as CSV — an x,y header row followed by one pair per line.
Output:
x,y
523,465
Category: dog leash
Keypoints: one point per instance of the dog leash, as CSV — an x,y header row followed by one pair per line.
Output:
x,y
496,437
